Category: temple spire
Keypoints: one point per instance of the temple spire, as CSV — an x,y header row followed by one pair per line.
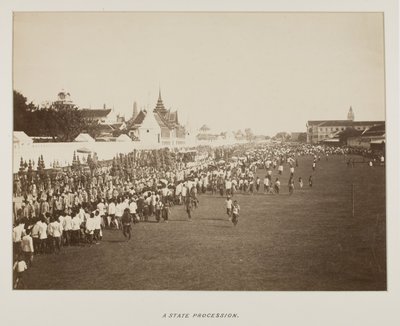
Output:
x,y
350,114
160,108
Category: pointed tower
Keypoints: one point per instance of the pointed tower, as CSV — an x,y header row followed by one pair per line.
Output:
x,y
160,108
350,115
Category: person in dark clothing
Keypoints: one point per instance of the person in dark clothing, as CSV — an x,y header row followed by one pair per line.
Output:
x,y
126,224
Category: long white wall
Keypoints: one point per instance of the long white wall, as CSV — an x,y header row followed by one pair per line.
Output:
x,y
63,152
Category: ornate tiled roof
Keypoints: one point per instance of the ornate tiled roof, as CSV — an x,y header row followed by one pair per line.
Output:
x,y
95,113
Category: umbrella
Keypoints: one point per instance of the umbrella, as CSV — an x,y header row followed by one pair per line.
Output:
x,y
84,150
164,181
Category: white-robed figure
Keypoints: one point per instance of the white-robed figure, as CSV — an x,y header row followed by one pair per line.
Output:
x,y
184,190
178,192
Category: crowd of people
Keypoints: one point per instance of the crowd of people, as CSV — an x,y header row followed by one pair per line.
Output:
x,y
72,206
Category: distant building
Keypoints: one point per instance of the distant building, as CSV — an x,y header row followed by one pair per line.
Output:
x,y
63,101
160,127
371,138
319,130
99,115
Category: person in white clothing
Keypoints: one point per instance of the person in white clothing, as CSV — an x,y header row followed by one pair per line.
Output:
x,y
27,247
133,209
19,267
18,231
43,236
90,227
35,235
102,210
67,226
266,184
55,232
111,212
228,187
97,227
228,204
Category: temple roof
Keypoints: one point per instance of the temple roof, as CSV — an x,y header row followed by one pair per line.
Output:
x,y
165,118
95,113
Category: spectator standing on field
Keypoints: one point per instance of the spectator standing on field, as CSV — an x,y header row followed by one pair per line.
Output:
x,y
235,212
27,247
43,236
228,204
90,227
266,184
67,226
158,207
19,267
126,220
277,186
35,234
18,231
166,211
301,183
56,233
97,226
76,228
291,186
189,207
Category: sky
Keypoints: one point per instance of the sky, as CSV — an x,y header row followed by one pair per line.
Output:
x,y
267,71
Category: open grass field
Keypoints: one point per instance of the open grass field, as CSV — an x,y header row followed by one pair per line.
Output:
x,y
307,241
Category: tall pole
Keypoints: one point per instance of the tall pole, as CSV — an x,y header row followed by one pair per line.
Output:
x,y
352,198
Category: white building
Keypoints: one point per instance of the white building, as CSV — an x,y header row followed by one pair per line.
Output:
x,y
159,128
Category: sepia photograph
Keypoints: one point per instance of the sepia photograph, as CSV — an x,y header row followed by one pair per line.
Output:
x,y
200,162
199,151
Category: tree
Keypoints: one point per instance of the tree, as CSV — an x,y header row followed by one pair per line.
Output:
x,y
302,137
283,136
61,122
347,133
92,127
249,134
69,123
22,111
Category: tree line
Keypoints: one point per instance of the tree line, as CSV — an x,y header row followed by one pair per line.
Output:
x,y
60,123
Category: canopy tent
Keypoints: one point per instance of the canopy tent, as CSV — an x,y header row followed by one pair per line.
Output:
x,y
84,138
21,138
123,138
